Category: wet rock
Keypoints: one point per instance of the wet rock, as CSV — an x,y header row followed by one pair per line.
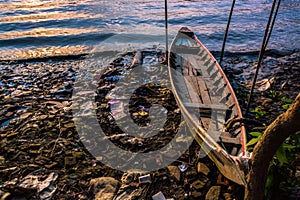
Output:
x,y
227,196
130,193
105,187
213,193
202,168
196,194
179,193
174,172
2,159
198,184
128,178
51,165
69,161
266,101
191,174
38,185
4,195
37,128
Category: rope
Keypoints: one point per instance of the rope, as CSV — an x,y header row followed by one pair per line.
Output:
x,y
273,22
226,31
166,26
262,50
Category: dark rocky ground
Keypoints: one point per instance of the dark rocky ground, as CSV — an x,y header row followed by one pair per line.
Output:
x,y
43,157
277,86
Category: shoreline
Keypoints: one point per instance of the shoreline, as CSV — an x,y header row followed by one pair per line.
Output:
x,y
43,139
251,55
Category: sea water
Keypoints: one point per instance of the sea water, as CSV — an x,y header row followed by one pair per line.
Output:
x,y
39,28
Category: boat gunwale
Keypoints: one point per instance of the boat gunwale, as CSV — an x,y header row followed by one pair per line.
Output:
x,y
239,112
196,125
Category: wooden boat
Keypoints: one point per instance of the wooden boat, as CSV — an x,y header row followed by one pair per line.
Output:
x,y
208,103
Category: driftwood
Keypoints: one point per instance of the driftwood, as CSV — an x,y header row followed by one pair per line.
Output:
x,y
284,125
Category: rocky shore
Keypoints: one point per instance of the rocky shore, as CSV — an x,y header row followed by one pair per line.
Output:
x,y
42,156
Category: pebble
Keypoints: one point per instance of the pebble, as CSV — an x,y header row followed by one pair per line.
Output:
x,y
38,109
105,187
174,172
197,194
213,193
202,168
4,195
227,196
198,184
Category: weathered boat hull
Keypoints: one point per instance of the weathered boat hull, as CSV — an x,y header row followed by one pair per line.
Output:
x,y
207,102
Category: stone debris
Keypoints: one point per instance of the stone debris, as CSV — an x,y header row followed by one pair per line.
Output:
x,y
174,172
213,193
36,183
43,157
202,168
105,187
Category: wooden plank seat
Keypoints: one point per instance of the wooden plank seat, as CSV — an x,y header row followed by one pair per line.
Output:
x,y
226,137
206,110
219,107
199,94
185,50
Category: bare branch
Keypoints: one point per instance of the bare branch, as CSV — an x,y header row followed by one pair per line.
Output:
x,y
281,128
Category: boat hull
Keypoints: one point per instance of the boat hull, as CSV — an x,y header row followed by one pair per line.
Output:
x,y
207,102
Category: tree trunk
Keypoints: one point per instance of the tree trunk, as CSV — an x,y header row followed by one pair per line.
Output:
x,y
284,125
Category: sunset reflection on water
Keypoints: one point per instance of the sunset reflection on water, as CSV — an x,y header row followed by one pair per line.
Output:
x,y
40,26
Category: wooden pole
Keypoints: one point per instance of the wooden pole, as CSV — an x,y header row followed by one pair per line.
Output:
x,y
261,53
226,31
273,22
166,27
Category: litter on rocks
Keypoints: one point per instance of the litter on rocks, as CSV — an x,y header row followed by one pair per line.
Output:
x,y
159,196
145,179
182,167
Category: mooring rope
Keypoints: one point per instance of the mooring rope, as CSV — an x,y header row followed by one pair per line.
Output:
x,y
262,50
226,31
273,22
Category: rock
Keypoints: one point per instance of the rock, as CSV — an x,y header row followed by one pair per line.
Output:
x,y
178,192
129,177
266,101
127,192
227,196
4,195
2,159
191,174
45,133
70,161
196,194
37,184
174,172
105,187
198,184
202,168
213,193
